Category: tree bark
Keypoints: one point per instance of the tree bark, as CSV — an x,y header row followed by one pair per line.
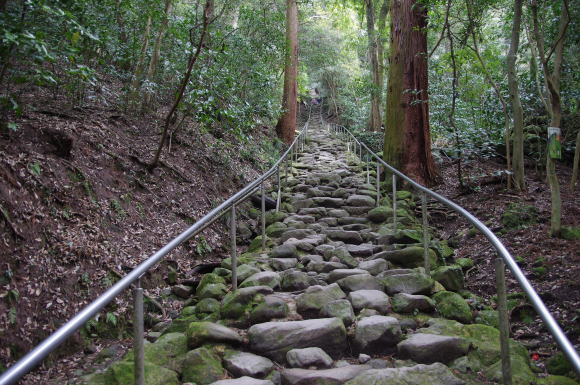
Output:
x,y
518,112
154,62
553,83
286,126
138,74
191,61
576,163
375,112
407,143
382,40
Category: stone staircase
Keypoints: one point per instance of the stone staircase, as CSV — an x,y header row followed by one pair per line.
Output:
x,y
337,297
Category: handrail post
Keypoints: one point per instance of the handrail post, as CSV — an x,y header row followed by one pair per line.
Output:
x,y
425,234
394,202
278,198
506,366
263,216
378,183
233,246
138,338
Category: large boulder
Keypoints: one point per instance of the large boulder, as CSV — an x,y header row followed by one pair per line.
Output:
x,y
272,307
411,256
369,299
451,277
429,348
335,376
408,283
199,333
275,339
311,302
295,280
377,334
202,366
264,278
286,250
343,256
238,304
345,236
308,357
434,374
374,266
451,305
380,214
360,201
360,282
338,274
341,308
247,364
408,303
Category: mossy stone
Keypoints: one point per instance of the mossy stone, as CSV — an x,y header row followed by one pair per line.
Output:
x,y
212,290
557,380
256,244
488,317
450,276
209,279
453,306
273,216
179,325
207,305
122,373
202,366
276,229
517,216
380,214
521,372
558,364
465,263
404,194
187,311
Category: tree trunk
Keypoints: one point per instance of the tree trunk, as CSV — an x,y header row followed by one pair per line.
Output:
x,y
154,62
407,140
553,84
193,56
381,43
138,74
287,123
576,163
375,112
518,112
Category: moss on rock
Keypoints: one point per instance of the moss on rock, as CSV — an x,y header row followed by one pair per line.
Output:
x,y
202,366
453,306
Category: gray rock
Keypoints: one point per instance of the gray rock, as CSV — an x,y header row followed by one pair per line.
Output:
x,y
199,333
451,277
234,303
341,308
317,212
306,259
363,358
367,313
328,202
434,374
380,214
325,267
411,256
244,271
330,221
342,254
378,364
414,283
360,201
374,266
182,291
358,223
243,381
335,376
307,357
299,218
295,280
275,339
360,282
311,302
285,250
429,348
337,213
295,233
370,299
281,264
272,307
408,303
377,334
247,364
264,278
364,250
337,274
352,237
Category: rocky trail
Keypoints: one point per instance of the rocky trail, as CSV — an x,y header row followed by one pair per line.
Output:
x,y
338,296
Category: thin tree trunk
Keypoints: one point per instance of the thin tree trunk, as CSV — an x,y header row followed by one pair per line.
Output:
x,y
381,43
504,107
576,162
120,23
407,143
553,83
375,112
194,55
139,68
287,123
453,101
534,74
154,62
518,113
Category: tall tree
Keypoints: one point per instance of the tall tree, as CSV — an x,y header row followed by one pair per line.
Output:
x,y
407,139
552,80
375,111
382,40
287,123
517,110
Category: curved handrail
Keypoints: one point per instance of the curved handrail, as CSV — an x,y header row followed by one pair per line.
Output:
x,y
534,298
36,355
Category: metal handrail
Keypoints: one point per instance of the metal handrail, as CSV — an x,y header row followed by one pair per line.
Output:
x,y
36,355
537,303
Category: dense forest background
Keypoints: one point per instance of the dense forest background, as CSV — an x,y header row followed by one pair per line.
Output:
x,y
114,112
